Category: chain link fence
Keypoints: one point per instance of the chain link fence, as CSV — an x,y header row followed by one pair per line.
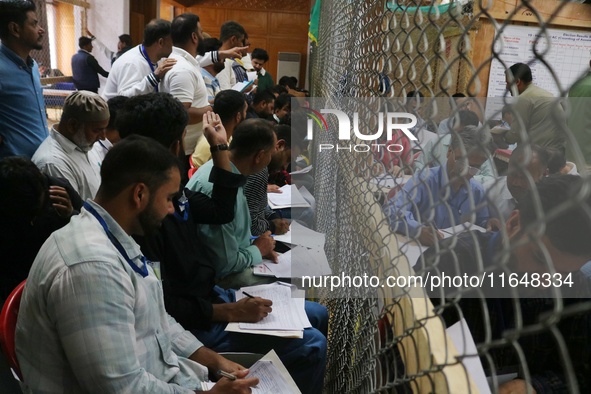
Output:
x,y
396,338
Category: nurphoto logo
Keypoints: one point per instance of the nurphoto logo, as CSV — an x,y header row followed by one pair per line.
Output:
x,y
390,121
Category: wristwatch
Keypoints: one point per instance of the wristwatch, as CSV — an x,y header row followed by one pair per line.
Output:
x,y
216,148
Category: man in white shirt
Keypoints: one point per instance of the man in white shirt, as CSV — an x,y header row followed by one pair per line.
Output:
x,y
184,81
65,152
92,316
136,71
232,35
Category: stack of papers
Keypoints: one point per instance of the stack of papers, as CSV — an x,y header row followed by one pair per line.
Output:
x,y
290,197
272,374
307,258
288,318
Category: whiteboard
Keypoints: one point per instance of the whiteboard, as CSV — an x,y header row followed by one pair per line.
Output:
x,y
567,52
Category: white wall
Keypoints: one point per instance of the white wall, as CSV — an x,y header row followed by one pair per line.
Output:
x,y
107,20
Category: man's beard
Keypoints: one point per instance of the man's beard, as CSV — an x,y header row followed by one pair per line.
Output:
x,y
81,142
149,221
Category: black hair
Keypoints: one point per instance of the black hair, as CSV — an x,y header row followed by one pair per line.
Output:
x,y
568,222
251,136
468,118
279,89
458,95
136,159
525,151
159,116
231,28
211,44
556,159
126,39
264,95
259,53
521,71
282,100
115,104
284,133
228,103
155,30
287,81
14,11
414,94
183,27
23,189
84,41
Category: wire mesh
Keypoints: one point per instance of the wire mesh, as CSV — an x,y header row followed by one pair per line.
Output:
x,y
396,339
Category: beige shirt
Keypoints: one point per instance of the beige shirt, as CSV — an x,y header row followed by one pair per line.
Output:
x,y
540,116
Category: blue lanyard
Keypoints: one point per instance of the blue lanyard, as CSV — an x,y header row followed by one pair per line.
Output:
x,y
182,213
142,271
145,54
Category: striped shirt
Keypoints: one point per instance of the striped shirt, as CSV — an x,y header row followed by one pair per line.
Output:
x,y
261,214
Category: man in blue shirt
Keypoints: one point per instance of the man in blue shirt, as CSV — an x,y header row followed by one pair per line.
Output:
x,y
444,196
23,123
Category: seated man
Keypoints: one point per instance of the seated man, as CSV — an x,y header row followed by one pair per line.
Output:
x,y
188,279
32,206
65,153
262,105
228,247
540,241
435,151
262,217
444,196
527,165
92,314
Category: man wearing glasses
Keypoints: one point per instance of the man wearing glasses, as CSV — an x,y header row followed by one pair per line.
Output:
x,y
444,196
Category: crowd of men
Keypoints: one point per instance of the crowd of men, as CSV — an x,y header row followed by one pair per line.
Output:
x,y
138,210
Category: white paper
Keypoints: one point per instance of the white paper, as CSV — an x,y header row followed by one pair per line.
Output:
x,y
389,181
286,314
295,263
241,86
460,228
272,374
302,171
252,75
464,343
289,197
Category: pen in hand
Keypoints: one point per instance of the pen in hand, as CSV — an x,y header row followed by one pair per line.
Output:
x,y
225,374
248,295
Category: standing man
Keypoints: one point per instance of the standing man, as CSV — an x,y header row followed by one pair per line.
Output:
x,y
23,123
538,116
137,71
579,121
65,153
85,68
232,35
123,46
184,81
259,58
92,314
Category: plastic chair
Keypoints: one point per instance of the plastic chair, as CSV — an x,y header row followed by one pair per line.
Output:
x,y
8,319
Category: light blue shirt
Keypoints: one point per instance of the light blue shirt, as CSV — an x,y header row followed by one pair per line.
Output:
x,y
435,154
211,84
427,199
23,122
89,323
226,246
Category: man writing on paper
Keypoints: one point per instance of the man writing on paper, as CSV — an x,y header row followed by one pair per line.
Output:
x,y
92,314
